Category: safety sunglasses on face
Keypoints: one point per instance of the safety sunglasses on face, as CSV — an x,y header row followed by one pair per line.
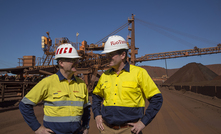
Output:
x,y
112,54
70,60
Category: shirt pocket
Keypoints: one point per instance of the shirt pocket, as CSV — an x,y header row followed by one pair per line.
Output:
x,y
80,98
106,88
80,95
60,95
130,90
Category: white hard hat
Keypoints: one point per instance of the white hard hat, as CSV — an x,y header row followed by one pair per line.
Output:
x,y
66,51
113,43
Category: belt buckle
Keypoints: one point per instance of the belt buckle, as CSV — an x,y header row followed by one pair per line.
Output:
x,y
116,127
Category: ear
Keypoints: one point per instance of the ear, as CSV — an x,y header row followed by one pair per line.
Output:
x,y
60,63
123,55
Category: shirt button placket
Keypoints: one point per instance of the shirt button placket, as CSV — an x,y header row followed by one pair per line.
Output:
x,y
71,91
116,89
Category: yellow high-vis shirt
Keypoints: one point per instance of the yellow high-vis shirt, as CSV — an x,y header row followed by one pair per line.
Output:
x,y
124,95
128,89
63,101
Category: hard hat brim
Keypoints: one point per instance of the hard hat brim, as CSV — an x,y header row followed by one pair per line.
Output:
x,y
112,50
59,57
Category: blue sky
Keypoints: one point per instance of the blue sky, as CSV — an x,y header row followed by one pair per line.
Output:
x,y
23,22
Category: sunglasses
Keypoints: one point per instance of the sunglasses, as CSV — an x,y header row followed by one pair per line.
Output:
x,y
70,60
112,54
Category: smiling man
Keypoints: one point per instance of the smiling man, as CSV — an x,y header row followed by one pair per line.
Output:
x,y
66,105
123,90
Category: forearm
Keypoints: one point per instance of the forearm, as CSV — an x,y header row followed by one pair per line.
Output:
x,y
86,116
153,108
29,116
96,104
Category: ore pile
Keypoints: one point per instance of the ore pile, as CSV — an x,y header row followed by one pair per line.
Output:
x,y
217,78
194,74
215,82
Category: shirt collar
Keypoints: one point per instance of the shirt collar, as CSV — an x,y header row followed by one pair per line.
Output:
x,y
126,67
61,77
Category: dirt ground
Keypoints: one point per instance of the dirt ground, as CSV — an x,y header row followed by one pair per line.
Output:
x,y
182,113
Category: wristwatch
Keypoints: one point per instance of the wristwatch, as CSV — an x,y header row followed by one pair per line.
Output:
x,y
86,127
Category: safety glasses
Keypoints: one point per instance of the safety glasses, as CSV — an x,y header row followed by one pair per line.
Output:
x,y
70,60
112,54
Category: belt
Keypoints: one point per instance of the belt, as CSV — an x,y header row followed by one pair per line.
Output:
x,y
116,127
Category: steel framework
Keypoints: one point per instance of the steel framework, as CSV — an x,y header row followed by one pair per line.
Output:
x,y
89,66
182,53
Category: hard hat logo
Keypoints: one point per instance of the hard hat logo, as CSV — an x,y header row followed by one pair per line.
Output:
x,y
114,43
66,51
117,42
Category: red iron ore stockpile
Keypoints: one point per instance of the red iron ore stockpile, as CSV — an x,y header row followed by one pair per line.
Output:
x,y
192,73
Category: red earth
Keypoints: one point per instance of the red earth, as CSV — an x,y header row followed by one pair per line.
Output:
x,y
181,113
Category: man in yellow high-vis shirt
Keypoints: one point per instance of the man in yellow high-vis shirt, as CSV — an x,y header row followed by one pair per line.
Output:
x,y
65,96
123,90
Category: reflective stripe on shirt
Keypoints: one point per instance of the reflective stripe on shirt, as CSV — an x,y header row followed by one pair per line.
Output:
x,y
64,103
62,119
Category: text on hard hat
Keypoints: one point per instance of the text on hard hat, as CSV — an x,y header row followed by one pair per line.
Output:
x,y
65,50
117,42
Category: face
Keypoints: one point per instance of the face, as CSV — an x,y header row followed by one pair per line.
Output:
x,y
69,65
115,59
